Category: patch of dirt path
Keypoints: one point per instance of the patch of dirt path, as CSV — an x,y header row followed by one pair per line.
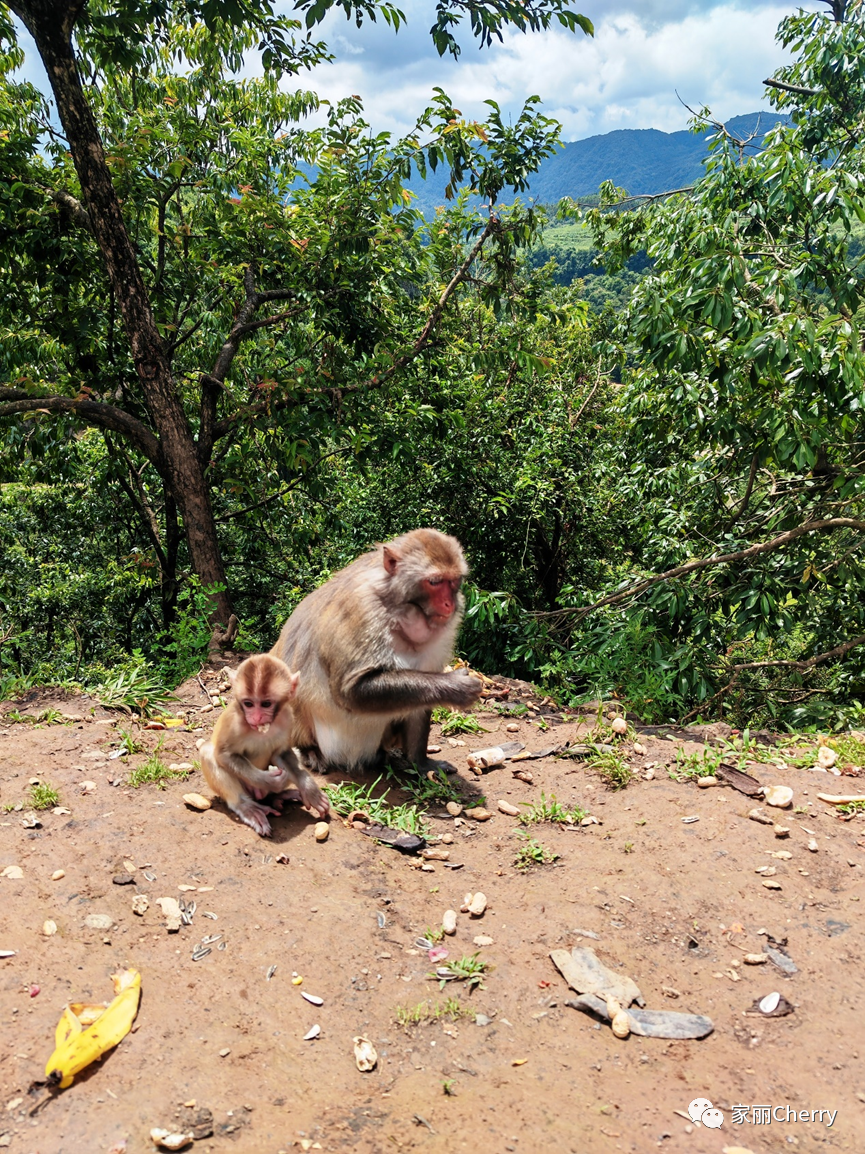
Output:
x,y
666,899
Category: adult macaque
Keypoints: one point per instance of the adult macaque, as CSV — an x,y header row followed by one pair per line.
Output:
x,y
249,755
372,643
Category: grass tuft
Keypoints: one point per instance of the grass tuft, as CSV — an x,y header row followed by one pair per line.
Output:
x,y
349,795
549,809
532,853
44,796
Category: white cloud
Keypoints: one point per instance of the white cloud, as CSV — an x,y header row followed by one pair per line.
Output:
x,y
626,76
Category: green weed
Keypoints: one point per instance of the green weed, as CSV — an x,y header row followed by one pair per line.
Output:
x,y
850,749
469,968
852,807
425,789
137,689
425,1012
453,722
348,795
155,772
44,796
531,853
550,810
128,742
611,767
690,766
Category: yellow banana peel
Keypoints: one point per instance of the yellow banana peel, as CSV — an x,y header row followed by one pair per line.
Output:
x,y
85,1032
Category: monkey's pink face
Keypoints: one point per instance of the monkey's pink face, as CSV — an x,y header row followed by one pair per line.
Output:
x,y
258,713
440,595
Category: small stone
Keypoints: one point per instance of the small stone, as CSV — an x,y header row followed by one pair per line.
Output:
x,y
812,844
780,854
477,905
224,1052
57,875
482,940
433,854
122,880
365,1056
433,749
170,1140
171,912
478,813
448,838
523,775
87,786
60,810
512,727
201,741
779,796
49,928
506,808
639,748
649,773
102,921
449,922
140,904
781,831
755,959
619,725
197,801
758,815
206,709
14,873
322,831
454,808
428,868
181,765
707,782
771,885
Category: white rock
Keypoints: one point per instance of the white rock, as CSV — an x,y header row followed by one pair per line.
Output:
x,y
49,928
322,831
140,904
365,1056
780,796
168,1140
102,921
639,748
57,875
197,801
812,845
507,808
449,922
707,782
826,757
619,725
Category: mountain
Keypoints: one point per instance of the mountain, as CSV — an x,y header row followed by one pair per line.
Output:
x,y
641,160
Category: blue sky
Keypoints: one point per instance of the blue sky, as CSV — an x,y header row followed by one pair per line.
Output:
x,y
626,76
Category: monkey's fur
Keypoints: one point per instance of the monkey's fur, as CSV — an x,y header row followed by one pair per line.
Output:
x,y
371,645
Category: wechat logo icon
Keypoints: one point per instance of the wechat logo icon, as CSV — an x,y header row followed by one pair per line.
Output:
x,y
701,1110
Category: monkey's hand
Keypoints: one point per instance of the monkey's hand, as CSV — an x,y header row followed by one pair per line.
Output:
x,y
311,796
462,688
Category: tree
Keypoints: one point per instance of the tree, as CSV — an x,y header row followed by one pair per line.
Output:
x,y
748,384
132,46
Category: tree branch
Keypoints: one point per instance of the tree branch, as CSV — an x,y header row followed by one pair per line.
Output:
x,y
707,562
798,89
377,380
91,412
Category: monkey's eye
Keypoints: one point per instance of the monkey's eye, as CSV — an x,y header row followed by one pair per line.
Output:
x,y
247,704
266,704
434,580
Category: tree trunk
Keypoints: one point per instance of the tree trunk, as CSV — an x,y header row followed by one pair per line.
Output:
x,y
50,23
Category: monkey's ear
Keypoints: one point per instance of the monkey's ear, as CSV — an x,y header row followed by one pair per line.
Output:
x,y
390,558
293,681
230,674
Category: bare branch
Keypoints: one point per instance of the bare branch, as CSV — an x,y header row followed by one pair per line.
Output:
x,y
707,562
798,89
91,412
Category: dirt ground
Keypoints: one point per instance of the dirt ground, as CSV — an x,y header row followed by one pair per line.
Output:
x,y
675,904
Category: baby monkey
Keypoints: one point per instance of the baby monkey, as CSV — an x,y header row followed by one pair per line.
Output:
x,y
249,755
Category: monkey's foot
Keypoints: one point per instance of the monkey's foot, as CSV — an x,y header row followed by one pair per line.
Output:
x,y
311,758
255,815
